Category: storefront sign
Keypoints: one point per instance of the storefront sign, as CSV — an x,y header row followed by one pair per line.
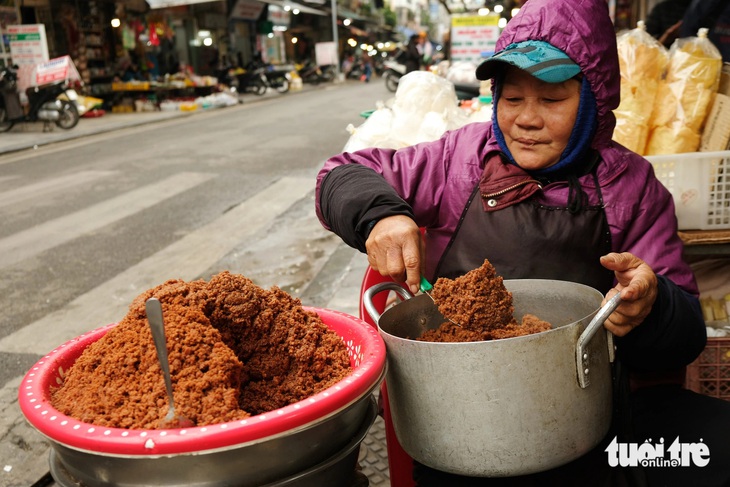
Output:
x,y
278,16
28,44
473,37
247,10
325,53
8,16
57,69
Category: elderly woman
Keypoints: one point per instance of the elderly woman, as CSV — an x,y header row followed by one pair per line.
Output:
x,y
543,192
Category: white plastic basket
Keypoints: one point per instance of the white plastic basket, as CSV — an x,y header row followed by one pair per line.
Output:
x,y
700,185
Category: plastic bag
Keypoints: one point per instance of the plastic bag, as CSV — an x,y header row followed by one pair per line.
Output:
x,y
424,107
685,96
420,94
643,62
374,132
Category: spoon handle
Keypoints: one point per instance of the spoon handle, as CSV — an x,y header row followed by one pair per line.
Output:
x,y
425,285
157,327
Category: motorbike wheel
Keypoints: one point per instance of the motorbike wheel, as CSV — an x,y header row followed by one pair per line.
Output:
x,y
68,116
328,74
5,124
258,87
282,85
391,82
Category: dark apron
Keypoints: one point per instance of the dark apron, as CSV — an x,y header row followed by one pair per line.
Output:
x,y
531,241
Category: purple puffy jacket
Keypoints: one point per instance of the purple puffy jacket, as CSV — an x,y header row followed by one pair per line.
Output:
x,y
436,178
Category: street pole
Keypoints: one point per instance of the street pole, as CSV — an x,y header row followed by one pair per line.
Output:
x,y
336,39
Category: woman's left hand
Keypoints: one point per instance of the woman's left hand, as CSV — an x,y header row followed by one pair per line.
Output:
x,y
637,284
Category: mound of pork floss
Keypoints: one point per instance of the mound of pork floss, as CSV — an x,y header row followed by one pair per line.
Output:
x,y
480,308
235,350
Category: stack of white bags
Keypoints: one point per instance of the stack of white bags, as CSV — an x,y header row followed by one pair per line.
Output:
x,y
424,107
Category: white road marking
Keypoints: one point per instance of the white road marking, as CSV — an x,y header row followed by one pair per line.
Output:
x,y
185,259
39,238
44,188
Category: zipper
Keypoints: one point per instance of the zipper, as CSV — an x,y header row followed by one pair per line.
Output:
x,y
514,186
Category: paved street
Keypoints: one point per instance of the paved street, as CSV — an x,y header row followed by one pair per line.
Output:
x,y
91,217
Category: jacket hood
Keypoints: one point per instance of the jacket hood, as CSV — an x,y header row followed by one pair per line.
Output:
x,y
584,31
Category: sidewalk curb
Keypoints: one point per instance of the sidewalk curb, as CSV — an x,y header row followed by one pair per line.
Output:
x,y
29,135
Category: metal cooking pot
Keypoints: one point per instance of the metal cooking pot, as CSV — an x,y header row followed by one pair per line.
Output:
x,y
506,407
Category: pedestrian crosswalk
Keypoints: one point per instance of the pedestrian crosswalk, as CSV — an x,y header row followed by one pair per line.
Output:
x,y
39,238
44,188
187,258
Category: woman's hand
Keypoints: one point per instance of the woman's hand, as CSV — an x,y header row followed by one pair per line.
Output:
x,y
395,248
637,284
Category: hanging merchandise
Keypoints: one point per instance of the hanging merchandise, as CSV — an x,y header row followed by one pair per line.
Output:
x,y
138,26
684,98
643,62
154,38
128,37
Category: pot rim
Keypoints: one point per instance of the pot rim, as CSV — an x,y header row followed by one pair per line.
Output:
x,y
367,357
495,342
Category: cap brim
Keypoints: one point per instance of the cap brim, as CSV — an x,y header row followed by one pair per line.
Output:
x,y
490,69
555,68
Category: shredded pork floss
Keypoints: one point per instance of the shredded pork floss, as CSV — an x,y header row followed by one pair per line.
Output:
x,y
480,308
235,350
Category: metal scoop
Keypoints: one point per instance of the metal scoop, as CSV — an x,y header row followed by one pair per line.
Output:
x,y
426,288
157,326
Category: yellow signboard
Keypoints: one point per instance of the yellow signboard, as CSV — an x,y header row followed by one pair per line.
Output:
x,y
472,20
473,37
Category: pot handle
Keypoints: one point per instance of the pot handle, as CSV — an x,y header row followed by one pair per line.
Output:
x,y
582,358
383,286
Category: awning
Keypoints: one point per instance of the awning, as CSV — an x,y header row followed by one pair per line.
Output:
x,y
349,14
246,10
293,5
174,3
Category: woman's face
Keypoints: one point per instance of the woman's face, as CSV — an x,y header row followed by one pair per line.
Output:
x,y
536,118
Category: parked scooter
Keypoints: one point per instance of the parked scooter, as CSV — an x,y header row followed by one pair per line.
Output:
x,y
278,77
310,72
355,71
252,80
393,73
43,103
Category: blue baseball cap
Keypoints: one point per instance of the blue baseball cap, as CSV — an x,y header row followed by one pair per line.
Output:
x,y
539,58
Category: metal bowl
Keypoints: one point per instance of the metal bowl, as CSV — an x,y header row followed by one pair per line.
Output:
x,y
254,451
339,469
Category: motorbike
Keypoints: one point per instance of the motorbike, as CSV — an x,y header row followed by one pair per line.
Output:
x,y
356,71
252,80
278,77
44,103
393,73
310,72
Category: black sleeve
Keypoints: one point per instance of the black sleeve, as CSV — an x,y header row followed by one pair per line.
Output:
x,y
672,336
353,196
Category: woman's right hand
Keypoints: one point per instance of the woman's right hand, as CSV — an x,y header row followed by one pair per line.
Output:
x,y
394,249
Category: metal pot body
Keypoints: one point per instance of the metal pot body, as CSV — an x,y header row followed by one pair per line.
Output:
x,y
251,464
504,407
